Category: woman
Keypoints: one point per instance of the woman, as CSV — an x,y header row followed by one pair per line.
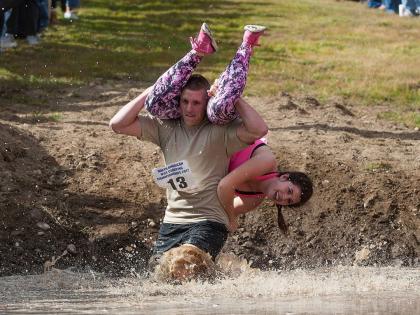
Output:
x,y
253,176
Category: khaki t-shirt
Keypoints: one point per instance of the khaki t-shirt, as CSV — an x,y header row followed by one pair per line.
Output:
x,y
206,149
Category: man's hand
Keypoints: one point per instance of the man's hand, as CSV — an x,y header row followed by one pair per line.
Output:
x,y
253,126
213,88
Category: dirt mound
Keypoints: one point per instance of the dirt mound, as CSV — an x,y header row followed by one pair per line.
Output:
x,y
70,188
30,177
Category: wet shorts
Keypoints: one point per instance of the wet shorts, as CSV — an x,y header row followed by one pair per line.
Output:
x,y
207,235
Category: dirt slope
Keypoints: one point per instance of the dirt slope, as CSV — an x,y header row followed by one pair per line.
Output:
x,y
71,187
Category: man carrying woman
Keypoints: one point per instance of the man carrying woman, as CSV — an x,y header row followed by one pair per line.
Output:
x,y
197,136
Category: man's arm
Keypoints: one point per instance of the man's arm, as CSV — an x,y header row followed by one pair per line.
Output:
x,y
253,126
126,120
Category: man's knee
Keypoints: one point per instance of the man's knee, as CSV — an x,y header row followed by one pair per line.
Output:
x,y
184,263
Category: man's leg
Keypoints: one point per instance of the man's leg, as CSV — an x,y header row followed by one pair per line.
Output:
x,y
184,251
43,20
231,83
29,15
208,236
184,263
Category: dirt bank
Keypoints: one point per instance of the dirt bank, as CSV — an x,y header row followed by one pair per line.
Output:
x,y
71,187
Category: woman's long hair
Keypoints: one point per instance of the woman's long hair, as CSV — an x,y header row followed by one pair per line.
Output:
x,y
304,182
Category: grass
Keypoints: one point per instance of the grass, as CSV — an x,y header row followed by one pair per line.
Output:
x,y
378,166
54,117
323,48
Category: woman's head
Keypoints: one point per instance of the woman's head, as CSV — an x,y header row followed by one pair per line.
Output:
x,y
304,183
299,190
290,188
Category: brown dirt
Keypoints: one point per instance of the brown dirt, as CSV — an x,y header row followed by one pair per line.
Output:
x,y
94,191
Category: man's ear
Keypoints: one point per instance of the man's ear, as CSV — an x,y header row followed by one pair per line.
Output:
x,y
284,177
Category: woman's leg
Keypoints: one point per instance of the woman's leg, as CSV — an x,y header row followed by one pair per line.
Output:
x,y
221,107
163,99
231,83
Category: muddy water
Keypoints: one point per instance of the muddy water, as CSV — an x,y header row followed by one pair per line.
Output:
x,y
339,290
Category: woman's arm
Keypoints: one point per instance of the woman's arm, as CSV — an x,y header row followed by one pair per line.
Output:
x,y
243,204
261,163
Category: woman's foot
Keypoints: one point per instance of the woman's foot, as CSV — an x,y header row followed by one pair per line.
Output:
x,y
204,43
252,34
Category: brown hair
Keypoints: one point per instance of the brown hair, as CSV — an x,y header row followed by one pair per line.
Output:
x,y
304,182
197,82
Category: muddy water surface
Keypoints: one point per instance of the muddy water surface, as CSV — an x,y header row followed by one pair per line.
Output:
x,y
339,290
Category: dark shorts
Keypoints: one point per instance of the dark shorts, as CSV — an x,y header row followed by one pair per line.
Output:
x,y
207,235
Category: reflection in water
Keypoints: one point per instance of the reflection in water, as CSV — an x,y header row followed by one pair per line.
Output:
x,y
339,290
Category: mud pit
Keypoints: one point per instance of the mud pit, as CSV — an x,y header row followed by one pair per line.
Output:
x,y
71,187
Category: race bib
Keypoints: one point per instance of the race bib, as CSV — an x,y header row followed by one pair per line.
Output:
x,y
177,176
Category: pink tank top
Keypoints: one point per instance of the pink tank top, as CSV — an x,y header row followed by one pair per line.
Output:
x,y
239,158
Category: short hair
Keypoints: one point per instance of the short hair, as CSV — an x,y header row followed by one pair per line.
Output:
x,y
197,82
305,183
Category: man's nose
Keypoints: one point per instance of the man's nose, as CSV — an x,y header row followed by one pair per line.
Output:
x,y
189,107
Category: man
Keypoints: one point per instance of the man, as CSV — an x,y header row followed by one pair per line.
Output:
x,y
196,154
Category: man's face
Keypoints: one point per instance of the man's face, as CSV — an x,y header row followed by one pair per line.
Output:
x,y
193,106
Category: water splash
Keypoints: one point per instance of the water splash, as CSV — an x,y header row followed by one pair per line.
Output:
x,y
343,290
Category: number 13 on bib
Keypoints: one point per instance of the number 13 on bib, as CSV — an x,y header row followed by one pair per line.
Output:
x,y
177,176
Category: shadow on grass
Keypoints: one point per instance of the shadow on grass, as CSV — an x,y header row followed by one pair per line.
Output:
x,y
115,45
124,40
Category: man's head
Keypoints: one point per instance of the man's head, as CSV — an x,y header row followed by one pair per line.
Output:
x,y
193,100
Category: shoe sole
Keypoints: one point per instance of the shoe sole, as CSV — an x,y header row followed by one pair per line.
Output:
x,y
254,28
206,29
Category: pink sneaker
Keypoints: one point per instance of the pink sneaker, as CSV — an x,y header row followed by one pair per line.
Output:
x,y
204,43
252,34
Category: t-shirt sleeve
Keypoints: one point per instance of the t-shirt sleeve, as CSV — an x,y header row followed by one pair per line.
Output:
x,y
149,129
232,142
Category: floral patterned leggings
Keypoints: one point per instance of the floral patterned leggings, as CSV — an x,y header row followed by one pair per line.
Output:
x,y
163,99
